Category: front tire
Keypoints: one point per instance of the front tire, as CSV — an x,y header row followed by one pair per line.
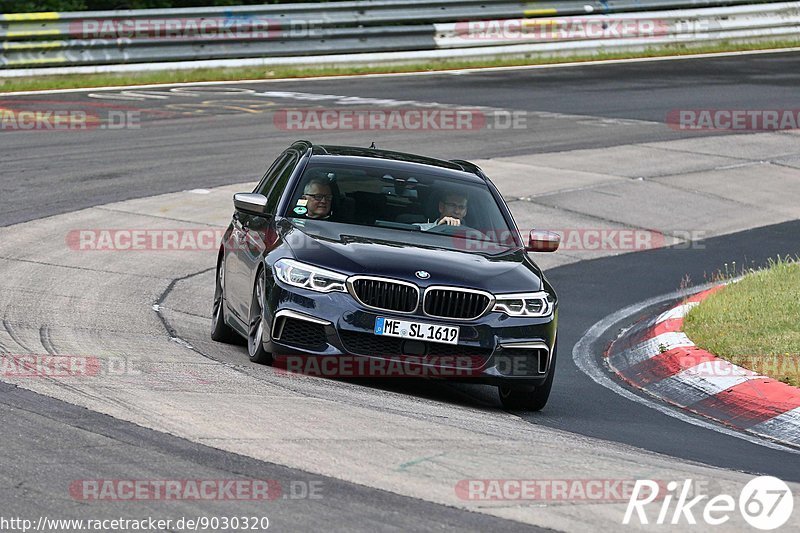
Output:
x,y
255,335
220,331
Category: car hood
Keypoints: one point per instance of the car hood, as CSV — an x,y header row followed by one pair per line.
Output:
x,y
510,271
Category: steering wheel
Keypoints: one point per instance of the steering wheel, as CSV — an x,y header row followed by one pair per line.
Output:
x,y
460,231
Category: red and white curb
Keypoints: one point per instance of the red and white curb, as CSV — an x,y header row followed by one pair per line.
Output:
x,y
658,358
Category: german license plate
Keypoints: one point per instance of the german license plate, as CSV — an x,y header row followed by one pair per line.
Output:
x,y
416,330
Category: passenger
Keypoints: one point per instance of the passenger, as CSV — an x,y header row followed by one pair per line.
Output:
x,y
319,197
452,210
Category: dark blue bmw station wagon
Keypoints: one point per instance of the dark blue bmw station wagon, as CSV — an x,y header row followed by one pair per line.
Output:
x,y
344,253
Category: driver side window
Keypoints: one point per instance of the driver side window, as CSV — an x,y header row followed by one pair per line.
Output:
x,y
279,182
272,174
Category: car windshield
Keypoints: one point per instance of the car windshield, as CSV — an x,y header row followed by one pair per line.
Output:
x,y
408,206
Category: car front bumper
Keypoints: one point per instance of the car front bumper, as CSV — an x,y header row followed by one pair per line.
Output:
x,y
331,335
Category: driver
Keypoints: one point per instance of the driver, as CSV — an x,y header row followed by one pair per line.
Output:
x,y
319,196
452,210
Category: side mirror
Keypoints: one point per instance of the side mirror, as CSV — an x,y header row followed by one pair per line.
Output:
x,y
250,203
543,241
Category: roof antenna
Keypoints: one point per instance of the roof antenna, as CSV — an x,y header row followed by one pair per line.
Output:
x,y
372,146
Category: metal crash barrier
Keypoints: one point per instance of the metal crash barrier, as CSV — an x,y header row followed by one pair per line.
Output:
x,y
373,31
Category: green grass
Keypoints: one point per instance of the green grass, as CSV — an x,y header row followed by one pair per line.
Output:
x,y
754,323
72,81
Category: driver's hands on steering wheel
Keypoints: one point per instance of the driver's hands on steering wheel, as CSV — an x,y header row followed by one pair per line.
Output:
x,y
455,227
449,221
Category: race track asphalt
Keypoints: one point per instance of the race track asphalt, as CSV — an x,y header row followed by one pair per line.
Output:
x,y
230,141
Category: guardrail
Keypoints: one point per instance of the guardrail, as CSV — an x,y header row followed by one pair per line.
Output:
x,y
384,30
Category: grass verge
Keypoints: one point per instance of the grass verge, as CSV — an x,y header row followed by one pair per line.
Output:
x,y
73,81
754,323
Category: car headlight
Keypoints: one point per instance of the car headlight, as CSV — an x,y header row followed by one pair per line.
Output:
x,y
310,277
525,304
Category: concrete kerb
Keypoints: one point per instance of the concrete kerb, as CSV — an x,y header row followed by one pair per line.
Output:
x,y
656,357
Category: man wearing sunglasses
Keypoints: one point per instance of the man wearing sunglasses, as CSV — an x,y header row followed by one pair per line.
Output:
x,y
452,210
319,196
